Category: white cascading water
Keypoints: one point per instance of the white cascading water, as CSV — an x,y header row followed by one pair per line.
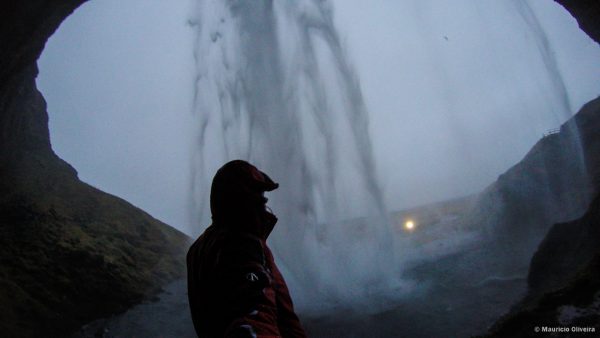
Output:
x,y
274,86
293,107
556,80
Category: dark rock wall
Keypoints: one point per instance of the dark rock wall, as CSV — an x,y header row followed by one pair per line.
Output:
x,y
587,13
24,30
24,121
555,182
566,250
25,26
69,253
564,282
589,129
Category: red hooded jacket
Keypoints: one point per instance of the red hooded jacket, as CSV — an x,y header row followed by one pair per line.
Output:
x,y
234,287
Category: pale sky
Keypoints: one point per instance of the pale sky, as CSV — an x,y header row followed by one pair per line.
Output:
x,y
456,94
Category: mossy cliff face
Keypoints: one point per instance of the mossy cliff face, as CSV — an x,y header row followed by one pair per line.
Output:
x,y
69,252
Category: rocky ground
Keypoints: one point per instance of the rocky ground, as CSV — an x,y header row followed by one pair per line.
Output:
x,y
454,301
457,294
564,282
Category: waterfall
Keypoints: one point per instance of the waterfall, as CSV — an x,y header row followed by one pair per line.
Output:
x,y
565,107
274,86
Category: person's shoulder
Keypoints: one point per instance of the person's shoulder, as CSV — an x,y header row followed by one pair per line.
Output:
x,y
236,246
233,240
239,236
227,242
205,238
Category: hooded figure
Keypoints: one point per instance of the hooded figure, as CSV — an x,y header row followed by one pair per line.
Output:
x,y
234,286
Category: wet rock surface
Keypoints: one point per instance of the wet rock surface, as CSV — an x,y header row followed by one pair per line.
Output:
x,y
166,315
564,281
453,299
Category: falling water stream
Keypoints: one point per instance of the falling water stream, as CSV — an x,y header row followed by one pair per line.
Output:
x,y
294,107
565,107
275,86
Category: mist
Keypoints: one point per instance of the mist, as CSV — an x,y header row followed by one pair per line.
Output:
x,y
424,102
447,116
459,93
118,82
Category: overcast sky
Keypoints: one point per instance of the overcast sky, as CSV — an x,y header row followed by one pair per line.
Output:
x,y
456,94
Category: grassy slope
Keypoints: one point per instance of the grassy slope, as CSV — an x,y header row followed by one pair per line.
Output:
x,y
71,253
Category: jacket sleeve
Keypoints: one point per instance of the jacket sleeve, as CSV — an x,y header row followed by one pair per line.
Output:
x,y
246,285
287,320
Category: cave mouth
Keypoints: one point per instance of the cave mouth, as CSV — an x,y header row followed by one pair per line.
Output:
x,y
119,91
120,102
130,133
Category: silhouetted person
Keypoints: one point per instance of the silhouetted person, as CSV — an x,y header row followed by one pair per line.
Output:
x,y
234,286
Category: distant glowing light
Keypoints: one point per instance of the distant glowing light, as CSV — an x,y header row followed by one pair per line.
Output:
x,y
409,225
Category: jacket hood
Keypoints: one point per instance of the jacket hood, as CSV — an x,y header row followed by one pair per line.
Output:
x,y
237,198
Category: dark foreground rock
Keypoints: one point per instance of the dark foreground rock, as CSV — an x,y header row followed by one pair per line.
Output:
x,y
586,12
564,282
568,249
